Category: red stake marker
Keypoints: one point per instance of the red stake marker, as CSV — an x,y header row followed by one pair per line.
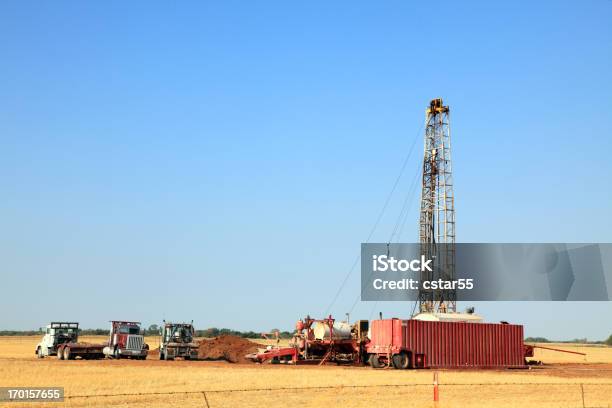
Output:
x,y
435,384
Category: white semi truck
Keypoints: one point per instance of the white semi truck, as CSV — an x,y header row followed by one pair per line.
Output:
x,y
61,339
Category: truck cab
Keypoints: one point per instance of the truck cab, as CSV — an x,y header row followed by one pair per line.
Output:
x,y
177,340
126,341
56,334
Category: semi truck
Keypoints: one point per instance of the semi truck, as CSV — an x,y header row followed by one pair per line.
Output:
x,y
177,340
126,340
61,339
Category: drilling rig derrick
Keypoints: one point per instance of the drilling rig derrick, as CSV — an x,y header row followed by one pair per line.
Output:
x,y
437,214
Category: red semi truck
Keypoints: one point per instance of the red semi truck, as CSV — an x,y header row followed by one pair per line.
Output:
x,y
126,341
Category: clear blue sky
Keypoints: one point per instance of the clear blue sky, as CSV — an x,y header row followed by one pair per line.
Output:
x,y
223,161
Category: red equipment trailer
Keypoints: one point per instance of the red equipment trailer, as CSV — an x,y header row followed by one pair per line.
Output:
x,y
319,342
432,344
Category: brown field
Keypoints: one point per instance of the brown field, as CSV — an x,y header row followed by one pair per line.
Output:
x,y
180,383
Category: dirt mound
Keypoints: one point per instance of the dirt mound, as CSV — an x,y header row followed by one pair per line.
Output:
x,y
228,348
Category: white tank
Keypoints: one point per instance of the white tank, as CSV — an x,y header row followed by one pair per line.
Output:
x,y
342,330
449,317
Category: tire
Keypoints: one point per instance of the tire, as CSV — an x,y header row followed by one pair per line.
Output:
x,y
67,354
161,355
375,361
39,353
116,354
400,361
60,353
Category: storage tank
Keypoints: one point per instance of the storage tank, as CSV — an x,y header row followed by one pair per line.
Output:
x,y
342,330
437,344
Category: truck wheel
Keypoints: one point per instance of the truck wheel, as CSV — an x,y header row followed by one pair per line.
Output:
x,y
375,361
161,355
400,361
39,353
116,354
67,354
60,353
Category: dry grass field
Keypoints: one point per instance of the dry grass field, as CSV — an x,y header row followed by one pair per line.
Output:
x,y
595,354
179,383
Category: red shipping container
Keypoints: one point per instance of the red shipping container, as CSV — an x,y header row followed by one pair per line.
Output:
x,y
449,344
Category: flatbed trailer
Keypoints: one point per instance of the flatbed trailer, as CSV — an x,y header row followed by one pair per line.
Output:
x,y
87,351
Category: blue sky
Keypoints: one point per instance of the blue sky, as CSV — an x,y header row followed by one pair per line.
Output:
x,y
223,161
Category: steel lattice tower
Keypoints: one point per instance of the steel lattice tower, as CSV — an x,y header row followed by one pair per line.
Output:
x,y
437,215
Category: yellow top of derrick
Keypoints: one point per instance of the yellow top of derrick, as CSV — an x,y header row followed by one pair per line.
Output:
x,y
436,106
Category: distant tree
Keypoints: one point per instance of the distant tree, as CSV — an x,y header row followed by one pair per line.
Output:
x,y
93,332
18,333
208,333
537,340
609,341
286,335
216,332
153,330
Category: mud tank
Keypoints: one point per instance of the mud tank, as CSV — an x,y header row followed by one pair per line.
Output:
x,y
416,343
